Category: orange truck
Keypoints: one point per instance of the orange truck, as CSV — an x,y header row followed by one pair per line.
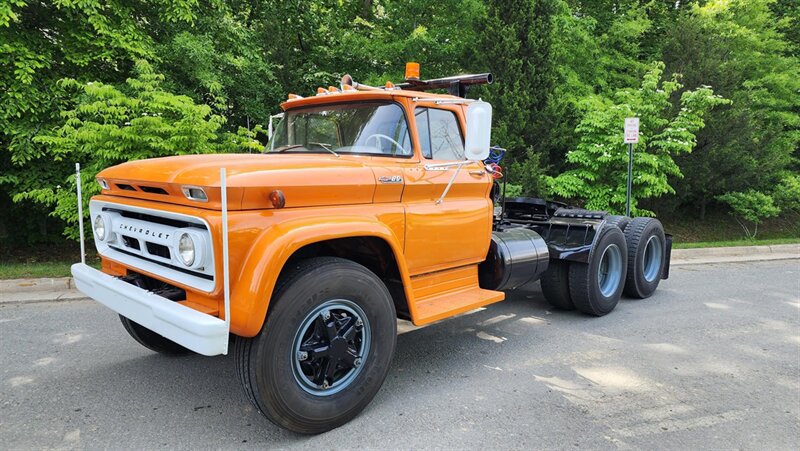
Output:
x,y
369,204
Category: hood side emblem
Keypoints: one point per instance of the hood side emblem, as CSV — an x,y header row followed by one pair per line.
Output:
x,y
391,179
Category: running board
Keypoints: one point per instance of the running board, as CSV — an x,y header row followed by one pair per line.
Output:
x,y
447,293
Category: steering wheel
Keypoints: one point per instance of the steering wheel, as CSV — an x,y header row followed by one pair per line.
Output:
x,y
379,136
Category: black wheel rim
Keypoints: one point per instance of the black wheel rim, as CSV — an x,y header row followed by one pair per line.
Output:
x,y
330,347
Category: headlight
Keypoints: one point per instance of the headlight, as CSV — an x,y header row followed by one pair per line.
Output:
x,y
186,249
99,228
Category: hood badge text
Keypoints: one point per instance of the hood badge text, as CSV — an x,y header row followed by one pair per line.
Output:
x,y
391,179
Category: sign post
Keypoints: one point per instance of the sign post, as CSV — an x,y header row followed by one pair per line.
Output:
x,y
631,137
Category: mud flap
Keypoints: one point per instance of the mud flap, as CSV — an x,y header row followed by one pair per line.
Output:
x,y
667,257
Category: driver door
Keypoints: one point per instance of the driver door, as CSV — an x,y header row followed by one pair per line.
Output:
x,y
457,230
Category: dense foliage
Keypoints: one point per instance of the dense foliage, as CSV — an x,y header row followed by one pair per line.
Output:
x,y
716,84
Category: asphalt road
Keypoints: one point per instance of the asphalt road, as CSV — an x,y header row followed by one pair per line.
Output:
x,y
711,361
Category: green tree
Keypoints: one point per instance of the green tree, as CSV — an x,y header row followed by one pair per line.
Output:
x,y
42,42
600,158
738,47
110,125
750,206
516,44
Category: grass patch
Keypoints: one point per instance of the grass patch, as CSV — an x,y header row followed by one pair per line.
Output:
x,y
40,269
28,270
732,243
44,260
719,227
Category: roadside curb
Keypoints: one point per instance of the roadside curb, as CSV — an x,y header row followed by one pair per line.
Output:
x,y
736,254
30,291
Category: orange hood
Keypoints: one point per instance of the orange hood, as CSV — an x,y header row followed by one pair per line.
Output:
x,y
305,180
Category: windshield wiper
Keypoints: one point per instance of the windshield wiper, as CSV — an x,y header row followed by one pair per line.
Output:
x,y
286,147
326,147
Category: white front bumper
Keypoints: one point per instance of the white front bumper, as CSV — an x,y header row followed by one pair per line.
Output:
x,y
189,328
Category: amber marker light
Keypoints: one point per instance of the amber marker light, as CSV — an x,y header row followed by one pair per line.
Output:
x,y
412,71
277,198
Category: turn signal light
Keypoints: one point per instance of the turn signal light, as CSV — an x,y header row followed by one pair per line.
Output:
x,y
412,71
277,198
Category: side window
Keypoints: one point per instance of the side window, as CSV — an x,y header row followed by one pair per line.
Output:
x,y
439,134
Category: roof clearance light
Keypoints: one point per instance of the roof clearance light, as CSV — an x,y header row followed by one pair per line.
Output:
x,y
332,89
348,88
294,96
321,91
389,85
412,71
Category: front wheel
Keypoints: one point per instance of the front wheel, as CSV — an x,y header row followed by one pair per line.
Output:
x,y
325,348
595,287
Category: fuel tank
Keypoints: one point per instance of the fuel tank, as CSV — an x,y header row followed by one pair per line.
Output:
x,y
516,258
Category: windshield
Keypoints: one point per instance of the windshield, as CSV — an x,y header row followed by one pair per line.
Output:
x,y
363,128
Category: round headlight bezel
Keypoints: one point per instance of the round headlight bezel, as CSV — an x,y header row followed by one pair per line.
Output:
x,y
185,240
99,231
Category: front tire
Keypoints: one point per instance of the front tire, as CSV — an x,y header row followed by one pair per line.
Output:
x,y
595,287
151,340
325,348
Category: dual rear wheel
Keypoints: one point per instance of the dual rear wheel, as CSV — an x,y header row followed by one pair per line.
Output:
x,y
631,262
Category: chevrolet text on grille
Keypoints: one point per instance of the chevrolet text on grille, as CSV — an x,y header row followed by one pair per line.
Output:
x,y
145,231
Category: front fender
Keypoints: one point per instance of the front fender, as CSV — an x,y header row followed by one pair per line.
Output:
x,y
252,291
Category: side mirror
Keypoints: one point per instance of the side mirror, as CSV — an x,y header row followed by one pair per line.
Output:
x,y
479,130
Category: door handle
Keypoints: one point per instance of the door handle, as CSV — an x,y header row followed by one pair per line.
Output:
x,y
477,173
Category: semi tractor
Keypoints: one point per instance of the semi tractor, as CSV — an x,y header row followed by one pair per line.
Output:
x,y
367,205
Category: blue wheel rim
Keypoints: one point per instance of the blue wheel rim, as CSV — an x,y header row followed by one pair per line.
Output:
x,y
652,258
609,273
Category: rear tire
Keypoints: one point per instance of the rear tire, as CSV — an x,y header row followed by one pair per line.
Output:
x,y
555,285
621,222
325,348
152,340
646,255
595,287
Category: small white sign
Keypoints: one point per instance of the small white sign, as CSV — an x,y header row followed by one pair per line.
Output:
x,y
631,130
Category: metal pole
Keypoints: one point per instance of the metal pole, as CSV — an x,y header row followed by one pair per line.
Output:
x,y
223,186
80,211
630,178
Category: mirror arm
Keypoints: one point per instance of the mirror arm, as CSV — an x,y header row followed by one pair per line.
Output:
x,y
460,164
443,166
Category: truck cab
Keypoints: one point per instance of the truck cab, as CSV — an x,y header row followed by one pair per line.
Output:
x,y
368,204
